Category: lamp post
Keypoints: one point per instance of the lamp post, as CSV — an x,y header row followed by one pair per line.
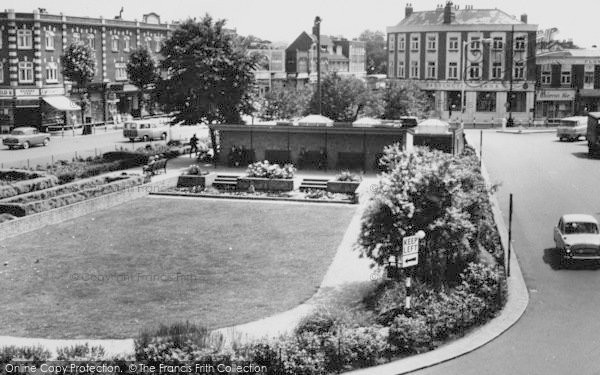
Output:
x,y
317,32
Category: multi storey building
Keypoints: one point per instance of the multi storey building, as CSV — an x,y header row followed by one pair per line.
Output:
x,y
338,55
32,88
270,69
477,64
568,82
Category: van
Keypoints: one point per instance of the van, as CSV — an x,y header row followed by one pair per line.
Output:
x,y
572,128
146,130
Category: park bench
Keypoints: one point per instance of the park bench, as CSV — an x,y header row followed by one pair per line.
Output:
x,y
156,167
312,160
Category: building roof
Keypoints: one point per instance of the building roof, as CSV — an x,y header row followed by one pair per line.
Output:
x,y
580,52
462,17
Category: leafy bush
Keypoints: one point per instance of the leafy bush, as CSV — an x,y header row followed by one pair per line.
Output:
x,y
355,348
263,169
303,354
35,355
9,176
6,217
348,177
409,335
80,352
319,322
195,170
49,199
22,185
486,283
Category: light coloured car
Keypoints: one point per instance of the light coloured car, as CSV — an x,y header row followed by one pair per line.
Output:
x,y
572,128
577,238
25,136
146,130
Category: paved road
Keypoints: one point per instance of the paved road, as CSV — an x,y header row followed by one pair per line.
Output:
x,y
560,330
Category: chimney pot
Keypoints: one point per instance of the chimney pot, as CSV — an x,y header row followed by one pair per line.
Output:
x,y
408,11
524,18
448,13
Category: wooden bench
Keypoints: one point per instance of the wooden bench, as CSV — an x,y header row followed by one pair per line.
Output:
x,y
156,167
312,160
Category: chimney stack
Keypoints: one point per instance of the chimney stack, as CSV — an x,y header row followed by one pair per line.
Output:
x,y
448,13
524,18
408,11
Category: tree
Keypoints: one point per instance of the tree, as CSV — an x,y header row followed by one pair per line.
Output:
x,y
375,51
282,103
405,98
142,71
209,79
79,66
342,98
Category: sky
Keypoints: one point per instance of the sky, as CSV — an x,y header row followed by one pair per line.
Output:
x,y
284,20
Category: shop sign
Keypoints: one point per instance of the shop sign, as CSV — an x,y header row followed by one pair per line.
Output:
x,y
6,93
27,92
53,91
470,86
558,95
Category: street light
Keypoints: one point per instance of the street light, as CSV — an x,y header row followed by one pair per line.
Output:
x,y
317,32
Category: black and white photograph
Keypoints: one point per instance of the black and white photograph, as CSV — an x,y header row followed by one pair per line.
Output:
x,y
317,187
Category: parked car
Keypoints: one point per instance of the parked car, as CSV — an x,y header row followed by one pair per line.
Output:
x,y
26,136
146,130
577,238
572,128
409,121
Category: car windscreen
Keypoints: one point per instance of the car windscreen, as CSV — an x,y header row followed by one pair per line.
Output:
x,y
17,132
581,228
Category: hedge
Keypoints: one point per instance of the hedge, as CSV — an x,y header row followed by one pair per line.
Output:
x,y
17,182
60,200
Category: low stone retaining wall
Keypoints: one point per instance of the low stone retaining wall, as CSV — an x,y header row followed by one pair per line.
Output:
x,y
28,223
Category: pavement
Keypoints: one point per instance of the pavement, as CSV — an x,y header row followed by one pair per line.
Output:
x,y
526,130
347,272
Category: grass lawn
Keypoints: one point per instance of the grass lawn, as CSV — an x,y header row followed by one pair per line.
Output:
x,y
160,260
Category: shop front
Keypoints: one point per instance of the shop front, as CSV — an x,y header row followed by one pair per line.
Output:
x,y
552,104
589,99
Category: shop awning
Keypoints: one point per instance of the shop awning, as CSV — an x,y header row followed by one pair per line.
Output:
x,y
590,93
62,103
129,88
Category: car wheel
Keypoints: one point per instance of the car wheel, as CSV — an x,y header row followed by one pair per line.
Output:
x,y
163,136
46,141
26,145
146,139
10,147
131,139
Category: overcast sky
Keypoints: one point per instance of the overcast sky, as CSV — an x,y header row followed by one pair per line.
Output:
x,y
283,20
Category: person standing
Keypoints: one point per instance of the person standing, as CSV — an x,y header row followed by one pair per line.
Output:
x,y
194,145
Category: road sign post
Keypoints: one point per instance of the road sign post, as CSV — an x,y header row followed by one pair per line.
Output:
x,y
410,258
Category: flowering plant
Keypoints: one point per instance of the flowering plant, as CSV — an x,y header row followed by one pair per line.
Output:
x,y
263,169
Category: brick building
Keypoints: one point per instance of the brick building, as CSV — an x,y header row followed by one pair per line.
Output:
x,y
568,82
338,55
270,69
477,64
32,88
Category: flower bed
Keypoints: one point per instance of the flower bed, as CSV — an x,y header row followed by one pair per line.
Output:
x,y
66,194
345,182
195,176
14,182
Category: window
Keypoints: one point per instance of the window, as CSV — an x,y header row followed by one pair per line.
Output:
x,y
431,43
1,70
431,69
474,71
49,37
486,101
519,70
158,44
588,80
497,43
401,43
0,41
497,70
91,41
519,102
24,39
520,43
414,69
392,42
25,72
453,70
414,43
454,102
115,43
51,72
565,77
453,44
120,72
546,76
126,44
475,43
391,68
76,38
401,70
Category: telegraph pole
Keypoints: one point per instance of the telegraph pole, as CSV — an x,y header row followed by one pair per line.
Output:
x,y
317,32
